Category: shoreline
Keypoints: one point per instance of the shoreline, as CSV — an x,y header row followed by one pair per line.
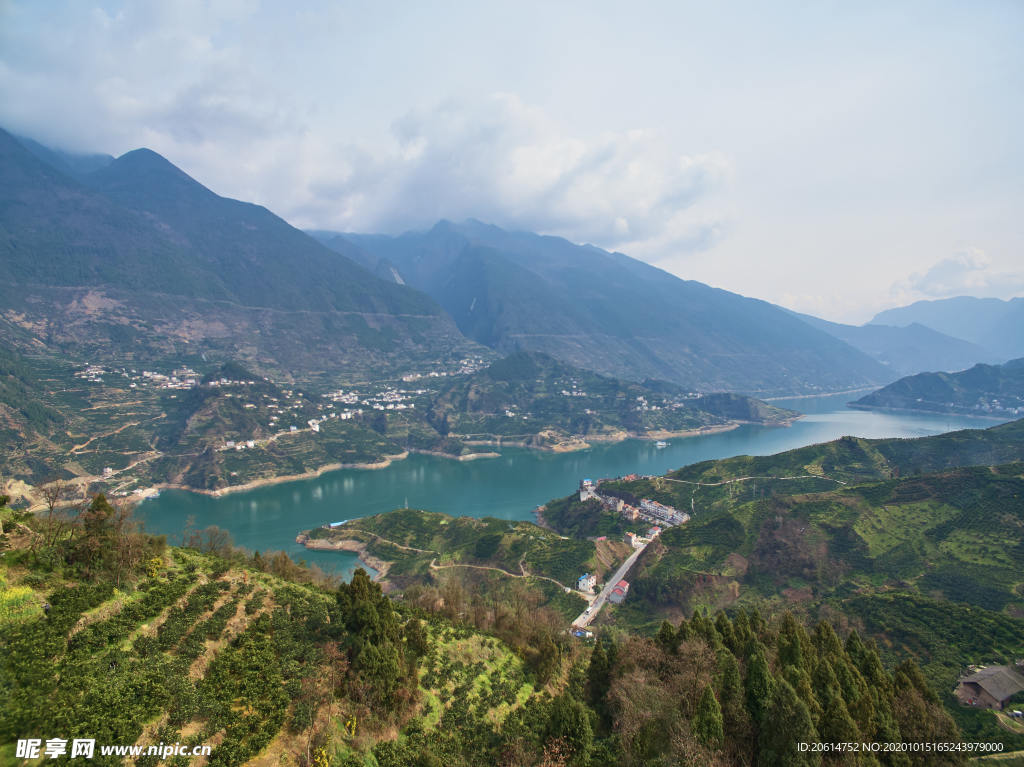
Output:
x,y
583,443
575,445
937,413
466,457
151,491
379,566
821,394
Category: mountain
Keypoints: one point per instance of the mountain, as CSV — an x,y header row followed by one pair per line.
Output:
x,y
987,390
136,260
249,659
919,542
906,350
533,398
25,417
611,313
69,163
988,322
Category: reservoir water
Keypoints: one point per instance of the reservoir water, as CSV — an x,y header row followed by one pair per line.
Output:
x,y
510,487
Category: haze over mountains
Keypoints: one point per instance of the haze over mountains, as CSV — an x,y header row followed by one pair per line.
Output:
x,y
907,350
131,259
988,322
611,313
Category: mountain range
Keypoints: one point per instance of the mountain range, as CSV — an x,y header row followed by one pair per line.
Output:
x,y
610,313
991,323
907,350
129,259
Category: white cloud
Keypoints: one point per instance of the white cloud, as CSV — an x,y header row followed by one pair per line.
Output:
x,y
183,81
507,162
852,145
969,272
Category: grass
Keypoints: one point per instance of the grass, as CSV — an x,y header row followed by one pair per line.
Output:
x,y
976,548
885,527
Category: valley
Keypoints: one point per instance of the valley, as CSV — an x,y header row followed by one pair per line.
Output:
x,y
236,378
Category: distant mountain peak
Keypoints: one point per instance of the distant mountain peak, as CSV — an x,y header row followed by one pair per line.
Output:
x,y
145,170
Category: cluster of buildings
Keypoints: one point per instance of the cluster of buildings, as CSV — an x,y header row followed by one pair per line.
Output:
x,y
647,510
996,406
464,366
182,378
388,398
639,541
588,581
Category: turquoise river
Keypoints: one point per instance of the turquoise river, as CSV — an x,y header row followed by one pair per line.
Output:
x,y
268,518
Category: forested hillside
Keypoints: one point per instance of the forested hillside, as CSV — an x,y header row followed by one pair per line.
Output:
x,y
914,542
983,390
532,397
111,635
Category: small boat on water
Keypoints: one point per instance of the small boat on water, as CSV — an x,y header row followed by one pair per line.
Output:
x,y
661,443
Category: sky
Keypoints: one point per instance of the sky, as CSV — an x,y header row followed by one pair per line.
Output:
x,y
835,158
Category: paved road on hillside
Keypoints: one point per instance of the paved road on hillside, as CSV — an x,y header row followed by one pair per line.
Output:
x,y
595,607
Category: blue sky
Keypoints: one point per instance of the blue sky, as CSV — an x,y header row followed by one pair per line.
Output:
x,y
837,158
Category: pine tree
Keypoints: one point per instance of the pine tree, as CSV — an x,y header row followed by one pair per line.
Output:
x,y
836,725
703,627
707,723
666,638
793,643
790,724
759,685
825,640
725,630
854,647
735,718
824,680
741,629
730,685
569,724
757,624
912,673
597,674
685,631
800,681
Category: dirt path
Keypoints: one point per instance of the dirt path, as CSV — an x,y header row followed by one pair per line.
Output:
x,y
521,574
79,448
745,479
396,545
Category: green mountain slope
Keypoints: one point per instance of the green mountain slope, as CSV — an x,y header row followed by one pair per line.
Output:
x,y
884,533
612,314
266,662
986,390
531,396
413,548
